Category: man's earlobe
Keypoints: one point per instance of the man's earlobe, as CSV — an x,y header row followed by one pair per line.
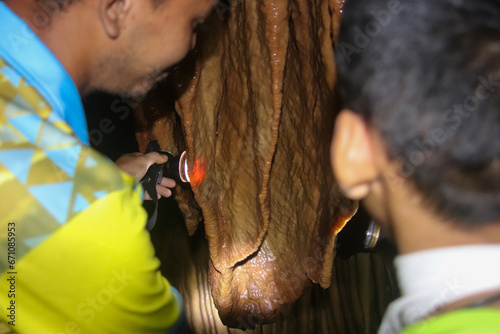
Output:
x,y
352,155
112,14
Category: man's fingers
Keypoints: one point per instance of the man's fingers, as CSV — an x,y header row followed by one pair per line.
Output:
x,y
163,191
155,158
166,182
131,155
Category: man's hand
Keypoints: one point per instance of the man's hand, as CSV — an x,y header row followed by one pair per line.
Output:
x,y
137,164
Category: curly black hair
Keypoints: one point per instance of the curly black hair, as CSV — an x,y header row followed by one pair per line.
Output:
x,y
426,74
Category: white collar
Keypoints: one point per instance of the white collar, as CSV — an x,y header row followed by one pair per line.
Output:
x,y
434,278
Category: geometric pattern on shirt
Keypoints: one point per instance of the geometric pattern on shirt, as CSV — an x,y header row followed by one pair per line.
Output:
x,y
47,176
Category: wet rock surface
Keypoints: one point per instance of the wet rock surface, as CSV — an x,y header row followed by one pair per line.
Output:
x,y
255,112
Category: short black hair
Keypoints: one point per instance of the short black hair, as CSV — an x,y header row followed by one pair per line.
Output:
x,y
426,75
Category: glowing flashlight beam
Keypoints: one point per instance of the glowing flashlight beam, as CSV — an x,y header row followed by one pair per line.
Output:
x,y
198,173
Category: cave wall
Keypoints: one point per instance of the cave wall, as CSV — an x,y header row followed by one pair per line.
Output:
x,y
254,106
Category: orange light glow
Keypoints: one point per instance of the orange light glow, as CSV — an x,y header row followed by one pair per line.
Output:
x,y
198,174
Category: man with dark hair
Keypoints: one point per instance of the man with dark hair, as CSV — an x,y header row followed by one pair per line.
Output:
x,y
418,140
76,257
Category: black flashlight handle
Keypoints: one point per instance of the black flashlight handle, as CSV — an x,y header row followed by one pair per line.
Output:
x,y
151,179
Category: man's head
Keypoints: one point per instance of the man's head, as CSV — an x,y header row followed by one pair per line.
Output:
x,y
420,82
145,38
120,46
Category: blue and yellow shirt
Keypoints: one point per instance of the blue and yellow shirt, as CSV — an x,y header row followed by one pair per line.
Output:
x,y
74,253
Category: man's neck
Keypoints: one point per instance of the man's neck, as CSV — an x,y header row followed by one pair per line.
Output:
x,y
490,299
417,227
430,234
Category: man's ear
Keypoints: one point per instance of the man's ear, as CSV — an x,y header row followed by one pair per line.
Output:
x,y
352,155
112,14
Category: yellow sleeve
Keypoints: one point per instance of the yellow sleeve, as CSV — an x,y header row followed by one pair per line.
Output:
x,y
96,275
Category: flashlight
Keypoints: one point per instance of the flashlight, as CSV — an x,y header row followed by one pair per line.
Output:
x,y
363,236
175,168
372,236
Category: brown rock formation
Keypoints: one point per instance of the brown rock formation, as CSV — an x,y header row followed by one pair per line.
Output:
x,y
256,120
